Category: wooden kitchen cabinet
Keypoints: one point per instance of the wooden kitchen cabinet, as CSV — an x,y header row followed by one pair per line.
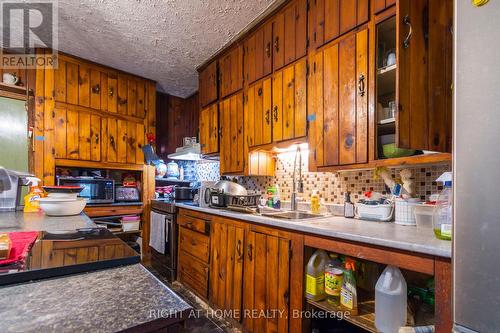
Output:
x,y
266,281
122,141
257,109
258,53
289,88
380,5
290,34
329,19
231,135
226,267
338,95
231,71
208,82
209,129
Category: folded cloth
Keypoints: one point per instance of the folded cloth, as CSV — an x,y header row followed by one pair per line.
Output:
x,y
157,232
21,244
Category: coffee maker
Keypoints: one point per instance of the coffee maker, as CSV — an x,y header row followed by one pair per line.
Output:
x,y
11,185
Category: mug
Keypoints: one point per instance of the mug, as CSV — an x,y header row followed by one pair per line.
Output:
x,y
10,78
391,58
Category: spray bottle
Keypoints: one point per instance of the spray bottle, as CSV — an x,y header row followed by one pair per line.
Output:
x,y
31,203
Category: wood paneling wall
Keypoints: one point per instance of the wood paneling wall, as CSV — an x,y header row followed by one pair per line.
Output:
x,y
176,118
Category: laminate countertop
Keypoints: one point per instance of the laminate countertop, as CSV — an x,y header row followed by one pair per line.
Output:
x,y
102,301
390,235
19,221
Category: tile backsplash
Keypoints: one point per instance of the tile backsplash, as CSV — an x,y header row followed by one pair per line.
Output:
x,y
331,186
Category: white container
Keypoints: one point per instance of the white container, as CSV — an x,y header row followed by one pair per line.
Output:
x,y
62,207
382,213
423,215
405,211
130,225
390,301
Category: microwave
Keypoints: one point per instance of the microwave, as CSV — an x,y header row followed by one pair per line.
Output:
x,y
95,190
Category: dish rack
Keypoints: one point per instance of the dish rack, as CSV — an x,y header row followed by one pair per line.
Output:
x,y
250,200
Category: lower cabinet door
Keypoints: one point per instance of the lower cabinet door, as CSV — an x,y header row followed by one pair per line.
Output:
x,y
226,267
266,283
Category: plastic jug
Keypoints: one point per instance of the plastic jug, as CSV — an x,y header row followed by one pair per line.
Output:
x,y
315,275
390,301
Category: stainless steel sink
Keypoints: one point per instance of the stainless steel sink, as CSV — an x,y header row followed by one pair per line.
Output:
x,y
293,215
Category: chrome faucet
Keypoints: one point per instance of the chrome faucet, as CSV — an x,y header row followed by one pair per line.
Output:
x,y
298,185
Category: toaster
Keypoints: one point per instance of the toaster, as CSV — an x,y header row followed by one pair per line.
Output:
x,y
127,194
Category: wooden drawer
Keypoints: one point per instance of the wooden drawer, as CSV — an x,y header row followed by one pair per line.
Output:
x,y
193,273
194,243
194,223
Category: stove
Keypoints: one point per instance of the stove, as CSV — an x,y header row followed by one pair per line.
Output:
x,y
167,205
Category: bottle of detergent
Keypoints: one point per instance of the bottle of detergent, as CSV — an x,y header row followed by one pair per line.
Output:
x,y
315,202
315,276
31,203
390,301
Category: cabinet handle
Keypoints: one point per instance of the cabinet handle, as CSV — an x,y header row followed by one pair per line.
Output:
x,y
277,44
96,89
215,132
220,132
238,249
268,49
259,92
275,111
112,141
268,114
97,139
111,92
249,251
406,42
361,85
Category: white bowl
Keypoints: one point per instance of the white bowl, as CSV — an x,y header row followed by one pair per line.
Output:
x,y
62,207
61,195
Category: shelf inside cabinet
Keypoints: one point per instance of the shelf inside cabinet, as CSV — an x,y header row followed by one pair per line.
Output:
x,y
386,82
386,70
387,121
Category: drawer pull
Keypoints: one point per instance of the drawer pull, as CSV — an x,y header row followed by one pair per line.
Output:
x,y
249,251
238,250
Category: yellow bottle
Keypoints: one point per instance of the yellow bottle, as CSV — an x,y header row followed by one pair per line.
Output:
x,y
31,200
315,203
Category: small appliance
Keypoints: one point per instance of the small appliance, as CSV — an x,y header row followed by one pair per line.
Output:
x,y
95,190
204,193
127,194
11,184
184,193
190,150
217,198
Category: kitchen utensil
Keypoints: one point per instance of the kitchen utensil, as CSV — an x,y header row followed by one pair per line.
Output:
x,y
391,151
231,188
183,193
10,78
127,193
62,207
172,170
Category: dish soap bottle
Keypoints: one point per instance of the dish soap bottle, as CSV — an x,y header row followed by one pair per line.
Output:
x,y
315,276
31,203
348,205
390,300
442,217
315,203
348,293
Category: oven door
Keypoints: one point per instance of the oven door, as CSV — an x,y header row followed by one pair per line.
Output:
x,y
165,263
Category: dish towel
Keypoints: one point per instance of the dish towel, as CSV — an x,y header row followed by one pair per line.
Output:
x,y
157,232
21,244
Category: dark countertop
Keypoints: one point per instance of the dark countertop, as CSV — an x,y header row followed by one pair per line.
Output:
x,y
386,234
104,301
19,221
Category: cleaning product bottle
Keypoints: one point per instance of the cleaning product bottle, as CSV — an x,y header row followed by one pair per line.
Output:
x,y
315,276
277,198
442,217
31,203
315,204
390,300
348,293
333,279
348,205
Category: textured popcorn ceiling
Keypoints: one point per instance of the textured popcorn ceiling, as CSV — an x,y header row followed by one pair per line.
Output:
x,y
164,40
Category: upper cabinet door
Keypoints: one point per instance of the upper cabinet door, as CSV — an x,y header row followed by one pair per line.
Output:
x,y
380,5
328,19
424,74
258,113
338,102
208,84
231,135
209,129
290,34
231,71
258,53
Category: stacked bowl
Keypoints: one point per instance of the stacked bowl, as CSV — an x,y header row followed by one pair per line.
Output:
x,y
62,200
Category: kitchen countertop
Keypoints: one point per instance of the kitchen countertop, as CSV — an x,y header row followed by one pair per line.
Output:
x,y
409,238
103,301
19,221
